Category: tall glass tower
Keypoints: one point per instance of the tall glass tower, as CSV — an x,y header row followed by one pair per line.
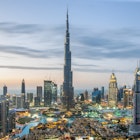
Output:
x,y
4,90
50,92
47,93
39,92
134,128
68,92
23,92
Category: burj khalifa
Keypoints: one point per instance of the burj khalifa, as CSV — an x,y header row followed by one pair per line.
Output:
x,y
68,91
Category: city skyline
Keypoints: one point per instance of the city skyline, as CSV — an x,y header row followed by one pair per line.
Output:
x,y
104,38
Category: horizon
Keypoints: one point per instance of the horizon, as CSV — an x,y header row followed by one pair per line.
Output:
x,y
32,37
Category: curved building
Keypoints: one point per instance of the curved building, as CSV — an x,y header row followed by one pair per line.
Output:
x,y
134,128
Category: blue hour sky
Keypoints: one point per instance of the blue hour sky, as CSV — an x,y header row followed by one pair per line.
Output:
x,y
104,34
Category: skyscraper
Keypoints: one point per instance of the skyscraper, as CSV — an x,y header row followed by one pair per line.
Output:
x,y
23,86
68,92
102,92
86,95
19,102
30,97
23,91
113,91
39,92
134,128
127,97
36,101
14,97
50,92
11,120
96,95
4,90
4,109
54,93
47,93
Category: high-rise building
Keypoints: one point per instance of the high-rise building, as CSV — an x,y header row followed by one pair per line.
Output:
x,y
54,93
113,91
19,102
120,93
127,97
86,95
50,92
30,97
23,86
4,90
61,93
23,92
11,120
82,97
14,99
68,91
102,92
4,111
39,92
37,101
96,95
47,93
134,128
27,105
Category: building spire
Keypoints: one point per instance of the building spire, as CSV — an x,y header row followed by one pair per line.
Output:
x,y
67,12
67,22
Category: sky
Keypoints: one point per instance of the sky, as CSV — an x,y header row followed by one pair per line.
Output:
x,y
104,38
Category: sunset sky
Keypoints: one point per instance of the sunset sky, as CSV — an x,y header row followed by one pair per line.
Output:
x,y
104,34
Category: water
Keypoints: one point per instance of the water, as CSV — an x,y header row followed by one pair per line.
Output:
x,y
43,120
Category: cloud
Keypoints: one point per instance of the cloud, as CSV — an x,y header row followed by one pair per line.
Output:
x,y
85,44
60,68
30,68
84,65
28,52
15,28
123,43
101,70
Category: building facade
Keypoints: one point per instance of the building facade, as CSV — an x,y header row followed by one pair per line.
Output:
x,y
39,92
102,92
19,102
30,97
14,97
134,128
113,91
23,92
4,90
54,93
120,93
96,96
4,111
11,120
68,91
36,101
86,95
50,92
127,97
